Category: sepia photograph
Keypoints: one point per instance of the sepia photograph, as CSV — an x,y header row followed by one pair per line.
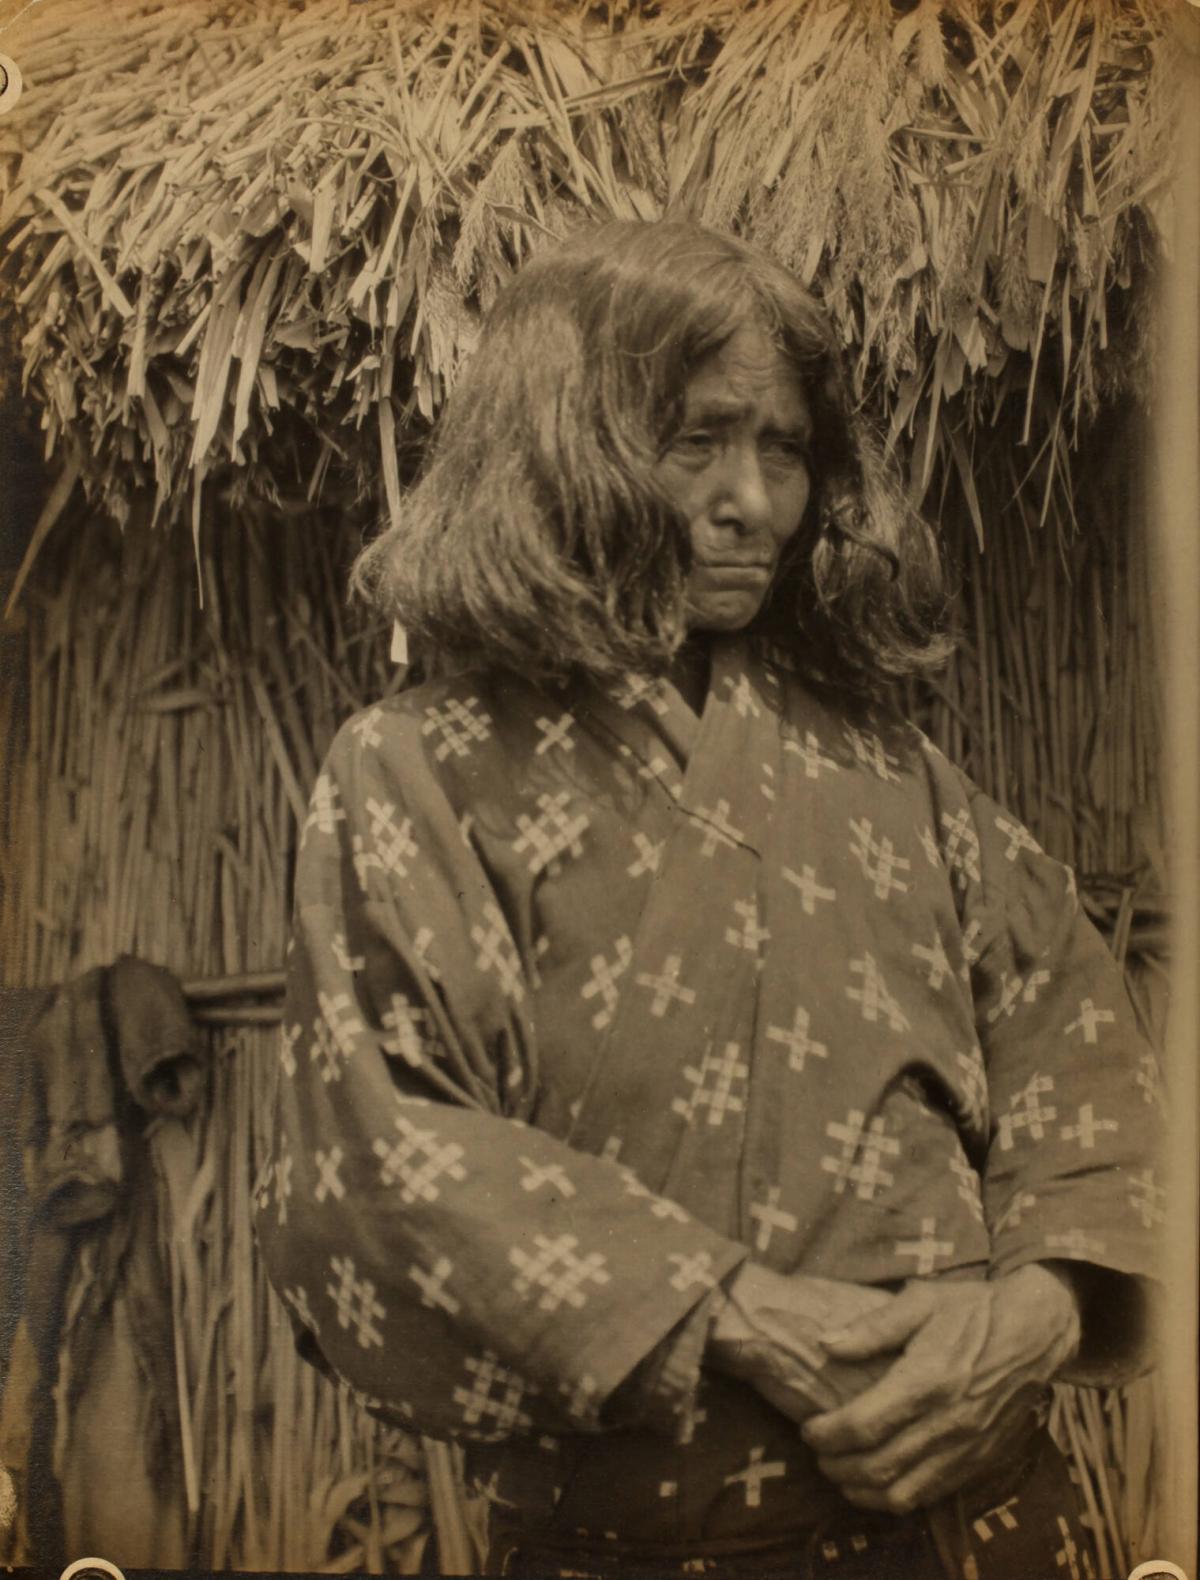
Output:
x,y
599,830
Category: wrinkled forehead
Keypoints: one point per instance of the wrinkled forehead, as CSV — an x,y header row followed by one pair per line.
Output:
x,y
750,373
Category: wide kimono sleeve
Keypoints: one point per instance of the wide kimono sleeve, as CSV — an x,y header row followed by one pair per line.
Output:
x,y
1073,1162
461,1269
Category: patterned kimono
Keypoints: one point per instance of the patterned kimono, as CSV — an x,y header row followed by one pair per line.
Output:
x,y
591,999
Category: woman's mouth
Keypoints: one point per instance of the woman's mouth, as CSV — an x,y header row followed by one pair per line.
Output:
x,y
733,575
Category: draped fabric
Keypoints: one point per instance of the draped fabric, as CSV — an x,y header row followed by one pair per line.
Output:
x,y
591,998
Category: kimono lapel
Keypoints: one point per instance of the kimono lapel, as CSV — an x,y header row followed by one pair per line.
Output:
x,y
667,1095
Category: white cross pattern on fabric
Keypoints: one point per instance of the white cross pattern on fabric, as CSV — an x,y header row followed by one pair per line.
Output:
x,y
1090,1020
541,948
611,1150
555,732
551,1174
1149,1078
689,1421
603,981
767,786
1003,1516
334,1031
927,1249
962,846
394,844
810,890
668,1489
459,724
497,952
324,1047
1019,839
557,1271
634,689
659,771
930,846
478,1402
869,751
754,1474
355,1300
666,987
1075,1243
409,1025
346,961
432,1285
719,1098
261,1190
1147,1198
1014,990
741,696
968,1187
417,1160
874,997
298,1300
580,1396
552,834
1088,1128
878,859
771,1216
422,943
1028,1112
1021,1203
797,1041
365,862
1067,1555
283,1185
749,936
970,948
691,1270
324,813
718,830
660,1206
288,1037
810,753
935,956
328,1164
649,855
365,727
860,1162
338,1011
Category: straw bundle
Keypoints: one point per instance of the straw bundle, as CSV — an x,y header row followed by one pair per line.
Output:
x,y
260,236
166,756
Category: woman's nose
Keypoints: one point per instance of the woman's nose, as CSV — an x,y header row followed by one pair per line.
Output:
x,y
741,498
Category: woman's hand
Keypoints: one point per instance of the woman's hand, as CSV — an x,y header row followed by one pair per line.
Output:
x,y
974,1358
767,1333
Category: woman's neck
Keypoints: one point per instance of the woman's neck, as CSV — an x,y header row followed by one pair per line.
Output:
x,y
690,671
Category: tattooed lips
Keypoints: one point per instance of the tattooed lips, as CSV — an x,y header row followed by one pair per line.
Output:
x,y
746,574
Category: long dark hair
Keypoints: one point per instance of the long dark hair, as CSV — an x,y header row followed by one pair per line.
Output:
x,y
536,539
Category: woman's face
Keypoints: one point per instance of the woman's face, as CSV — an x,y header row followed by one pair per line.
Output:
x,y
738,469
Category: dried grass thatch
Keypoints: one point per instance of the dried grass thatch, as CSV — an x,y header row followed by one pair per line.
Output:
x,y
258,235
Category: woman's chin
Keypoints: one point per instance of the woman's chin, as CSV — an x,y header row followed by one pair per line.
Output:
x,y
722,611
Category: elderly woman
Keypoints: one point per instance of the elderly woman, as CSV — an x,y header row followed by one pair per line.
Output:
x,y
696,1095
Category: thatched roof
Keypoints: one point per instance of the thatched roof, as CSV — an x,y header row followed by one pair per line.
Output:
x,y
261,234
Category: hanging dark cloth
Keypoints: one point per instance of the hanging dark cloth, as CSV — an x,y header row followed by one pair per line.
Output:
x,y
89,1063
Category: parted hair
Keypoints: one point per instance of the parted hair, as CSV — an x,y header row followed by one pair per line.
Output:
x,y
536,539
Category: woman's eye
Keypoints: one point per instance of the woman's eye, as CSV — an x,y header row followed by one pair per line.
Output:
x,y
698,444
785,451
